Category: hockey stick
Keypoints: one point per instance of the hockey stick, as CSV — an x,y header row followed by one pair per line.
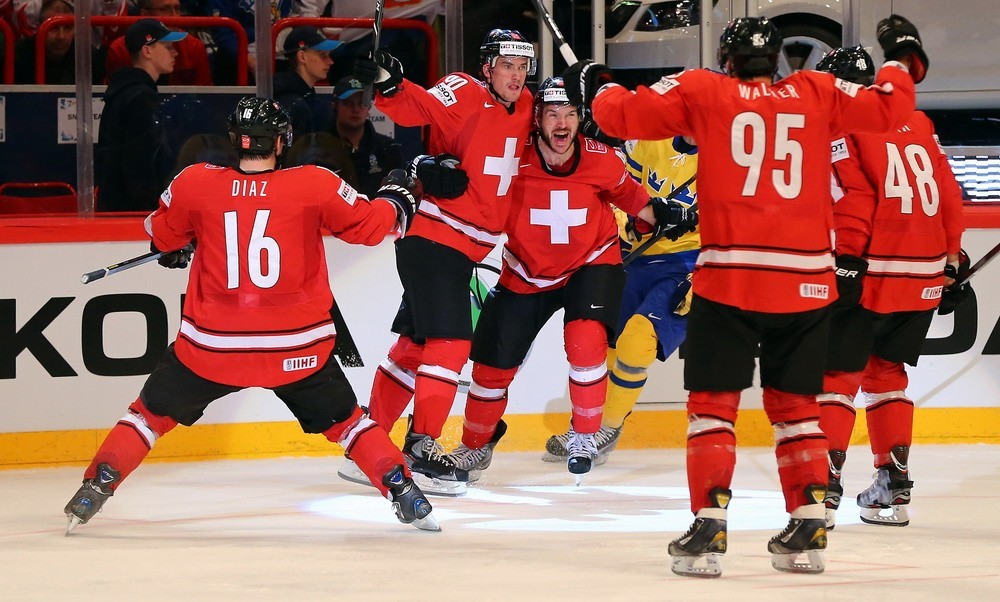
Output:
x,y
124,265
564,49
344,347
658,237
983,261
368,96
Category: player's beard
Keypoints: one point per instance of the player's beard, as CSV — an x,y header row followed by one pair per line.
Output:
x,y
547,140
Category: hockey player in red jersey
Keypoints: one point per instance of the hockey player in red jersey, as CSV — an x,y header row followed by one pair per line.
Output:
x,y
482,125
765,274
562,253
257,309
898,217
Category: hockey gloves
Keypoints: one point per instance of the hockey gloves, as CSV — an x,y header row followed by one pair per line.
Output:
x,y
178,259
673,219
851,270
384,71
954,294
440,175
590,129
899,38
404,192
583,80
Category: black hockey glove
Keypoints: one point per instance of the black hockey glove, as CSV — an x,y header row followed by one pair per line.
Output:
x,y
583,80
954,294
178,259
590,129
404,192
440,175
384,71
673,219
899,38
851,270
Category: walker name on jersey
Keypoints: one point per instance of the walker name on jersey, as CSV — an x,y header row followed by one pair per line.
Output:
x,y
291,364
249,188
931,292
762,90
814,291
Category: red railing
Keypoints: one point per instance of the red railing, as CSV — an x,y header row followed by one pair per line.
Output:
x,y
8,52
182,22
432,40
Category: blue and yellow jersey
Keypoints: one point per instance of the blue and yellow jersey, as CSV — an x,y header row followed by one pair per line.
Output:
x,y
660,168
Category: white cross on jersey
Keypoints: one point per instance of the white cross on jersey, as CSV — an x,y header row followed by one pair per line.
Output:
x,y
505,166
558,217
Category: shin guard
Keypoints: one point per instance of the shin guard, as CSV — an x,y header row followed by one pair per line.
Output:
x,y
394,382
711,444
586,343
888,411
836,407
368,446
128,443
437,384
485,404
636,351
800,446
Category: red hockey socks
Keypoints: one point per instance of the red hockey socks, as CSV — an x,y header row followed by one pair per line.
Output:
x,y
368,446
394,383
888,410
128,443
586,343
711,443
485,404
800,446
437,383
836,407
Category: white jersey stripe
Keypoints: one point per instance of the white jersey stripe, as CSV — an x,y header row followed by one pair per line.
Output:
x,y
259,341
472,232
147,433
347,439
517,267
586,375
700,425
438,371
873,398
907,266
773,259
399,373
787,431
484,393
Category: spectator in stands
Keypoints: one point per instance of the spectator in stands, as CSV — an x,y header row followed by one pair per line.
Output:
x,y
191,68
372,154
224,58
59,56
132,160
308,51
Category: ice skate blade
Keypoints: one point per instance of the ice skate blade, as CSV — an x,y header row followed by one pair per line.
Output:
x,y
895,516
792,563
685,566
432,486
73,522
427,523
349,471
579,479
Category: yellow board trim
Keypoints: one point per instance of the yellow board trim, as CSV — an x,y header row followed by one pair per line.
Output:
x,y
526,432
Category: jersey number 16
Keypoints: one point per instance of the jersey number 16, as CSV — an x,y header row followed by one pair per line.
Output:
x,y
255,253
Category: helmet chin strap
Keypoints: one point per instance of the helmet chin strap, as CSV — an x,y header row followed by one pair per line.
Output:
x,y
493,92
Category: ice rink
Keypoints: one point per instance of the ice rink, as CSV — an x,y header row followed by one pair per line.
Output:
x,y
290,529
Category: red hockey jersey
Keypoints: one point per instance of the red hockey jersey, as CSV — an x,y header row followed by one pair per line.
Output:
x,y
466,121
899,206
257,310
764,172
561,221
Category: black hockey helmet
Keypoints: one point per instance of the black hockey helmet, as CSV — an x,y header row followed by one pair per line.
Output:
x,y
255,123
849,64
553,91
752,44
506,42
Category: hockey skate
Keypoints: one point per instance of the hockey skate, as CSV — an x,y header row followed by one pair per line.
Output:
x,y
475,461
433,471
408,502
697,552
349,471
606,437
582,450
90,498
835,487
884,503
805,536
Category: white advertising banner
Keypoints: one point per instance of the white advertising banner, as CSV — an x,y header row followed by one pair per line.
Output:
x,y
73,356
